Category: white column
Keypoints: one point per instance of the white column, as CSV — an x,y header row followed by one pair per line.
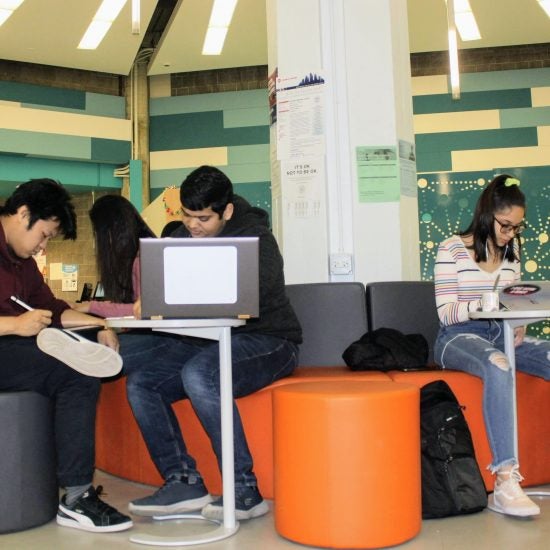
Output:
x,y
360,47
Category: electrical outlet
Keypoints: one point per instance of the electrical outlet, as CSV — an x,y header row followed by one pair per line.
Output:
x,y
341,264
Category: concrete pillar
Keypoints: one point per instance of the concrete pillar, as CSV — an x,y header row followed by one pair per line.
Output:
x,y
338,213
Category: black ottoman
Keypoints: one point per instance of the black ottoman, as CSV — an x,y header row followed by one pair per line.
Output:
x,y
28,486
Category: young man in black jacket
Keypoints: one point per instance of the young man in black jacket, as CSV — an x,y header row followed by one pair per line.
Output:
x,y
263,350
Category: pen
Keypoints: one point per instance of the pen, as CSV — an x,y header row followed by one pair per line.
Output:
x,y
21,303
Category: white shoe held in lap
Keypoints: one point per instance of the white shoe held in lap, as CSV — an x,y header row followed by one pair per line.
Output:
x,y
84,356
508,497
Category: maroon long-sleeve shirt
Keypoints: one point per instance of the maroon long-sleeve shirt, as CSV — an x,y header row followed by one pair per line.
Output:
x,y
22,278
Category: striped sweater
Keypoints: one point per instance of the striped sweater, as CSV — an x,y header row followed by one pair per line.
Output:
x,y
460,282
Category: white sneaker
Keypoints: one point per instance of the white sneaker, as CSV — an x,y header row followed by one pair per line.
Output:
x,y
509,498
84,356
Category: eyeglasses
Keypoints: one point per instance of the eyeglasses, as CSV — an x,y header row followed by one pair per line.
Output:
x,y
508,227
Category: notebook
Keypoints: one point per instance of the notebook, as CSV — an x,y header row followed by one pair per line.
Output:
x,y
526,295
199,278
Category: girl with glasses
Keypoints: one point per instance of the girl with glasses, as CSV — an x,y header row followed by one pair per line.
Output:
x,y
482,258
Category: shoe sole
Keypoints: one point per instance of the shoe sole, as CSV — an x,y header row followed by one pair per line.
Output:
x,y
216,512
76,524
491,505
177,507
82,355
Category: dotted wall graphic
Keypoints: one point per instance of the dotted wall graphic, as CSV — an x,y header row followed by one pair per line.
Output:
x,y
446,202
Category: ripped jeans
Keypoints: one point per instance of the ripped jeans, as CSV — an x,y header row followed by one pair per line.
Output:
x,y
477,347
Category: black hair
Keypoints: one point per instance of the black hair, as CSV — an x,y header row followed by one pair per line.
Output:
x,y
46,199
117,226
206,187
499,195
170,227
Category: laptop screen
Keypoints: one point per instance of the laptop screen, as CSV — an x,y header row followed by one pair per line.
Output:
x,y
199,278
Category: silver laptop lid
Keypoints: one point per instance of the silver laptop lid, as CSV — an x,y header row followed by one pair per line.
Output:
x,y
526,295
199,278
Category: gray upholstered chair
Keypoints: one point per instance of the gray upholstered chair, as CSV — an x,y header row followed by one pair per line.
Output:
x,y
407,306
28,486
338,318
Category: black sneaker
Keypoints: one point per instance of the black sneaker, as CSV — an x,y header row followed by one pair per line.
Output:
x,y
248,504
177,495
90,513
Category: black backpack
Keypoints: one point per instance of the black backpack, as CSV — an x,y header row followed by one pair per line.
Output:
x,y
451,480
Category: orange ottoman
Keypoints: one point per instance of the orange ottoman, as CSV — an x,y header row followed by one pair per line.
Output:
x,y
347,463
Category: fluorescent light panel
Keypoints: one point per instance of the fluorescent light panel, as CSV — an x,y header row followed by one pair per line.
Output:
x,y
103,19
220,19
545,5
453,51
136,16
465,21
7,7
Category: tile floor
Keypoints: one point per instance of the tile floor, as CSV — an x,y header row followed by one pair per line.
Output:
x,y
485,530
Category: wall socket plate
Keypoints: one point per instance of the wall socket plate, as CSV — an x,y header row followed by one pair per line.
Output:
x,y
341,264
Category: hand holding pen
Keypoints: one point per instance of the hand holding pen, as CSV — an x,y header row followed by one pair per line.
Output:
x,y
31,322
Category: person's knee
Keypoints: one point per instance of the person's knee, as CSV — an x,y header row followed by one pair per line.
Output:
x,y
499,360
200,378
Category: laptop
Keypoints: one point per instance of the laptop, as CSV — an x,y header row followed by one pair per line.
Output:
x,y
526,295
206,278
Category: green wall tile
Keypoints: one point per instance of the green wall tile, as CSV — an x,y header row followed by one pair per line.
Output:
x,y
208,102
110,150
38,143
194,130
253,116
472,101
482,139
504,80
518,118
41,95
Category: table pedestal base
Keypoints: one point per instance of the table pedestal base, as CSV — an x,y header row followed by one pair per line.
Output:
x,y
219,533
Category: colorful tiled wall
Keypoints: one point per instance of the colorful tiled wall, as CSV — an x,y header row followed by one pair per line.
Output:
x,y
229,130
42,127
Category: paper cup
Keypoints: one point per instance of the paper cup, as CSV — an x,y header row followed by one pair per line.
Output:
x,y
489,301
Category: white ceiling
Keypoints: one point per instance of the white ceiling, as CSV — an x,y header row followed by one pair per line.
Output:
x,y
48,31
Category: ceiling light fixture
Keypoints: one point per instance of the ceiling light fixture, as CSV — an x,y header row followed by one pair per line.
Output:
x,y
453,51
545,5
136,16
220,19
465,21
7,7
103,19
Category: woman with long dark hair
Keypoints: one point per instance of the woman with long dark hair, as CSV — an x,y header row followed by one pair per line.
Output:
x,y
117,226
473,262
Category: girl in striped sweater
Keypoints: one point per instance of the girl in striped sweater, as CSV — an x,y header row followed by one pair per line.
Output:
x,y
467,265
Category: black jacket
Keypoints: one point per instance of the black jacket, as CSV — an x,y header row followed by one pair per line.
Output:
x,y
277,318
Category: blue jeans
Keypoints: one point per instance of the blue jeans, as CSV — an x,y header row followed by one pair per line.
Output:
x,y
477,347
164,369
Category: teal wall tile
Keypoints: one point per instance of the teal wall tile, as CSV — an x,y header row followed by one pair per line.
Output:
x,y
167,178
257,194
208,102
253,116
472,101
482,139
38,143
105,105
78,176
504,80
517,118
245,173
244,154
434,162
110,150
194,130
41,95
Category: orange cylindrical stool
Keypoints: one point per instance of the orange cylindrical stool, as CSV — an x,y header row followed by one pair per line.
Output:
x,y
347,463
